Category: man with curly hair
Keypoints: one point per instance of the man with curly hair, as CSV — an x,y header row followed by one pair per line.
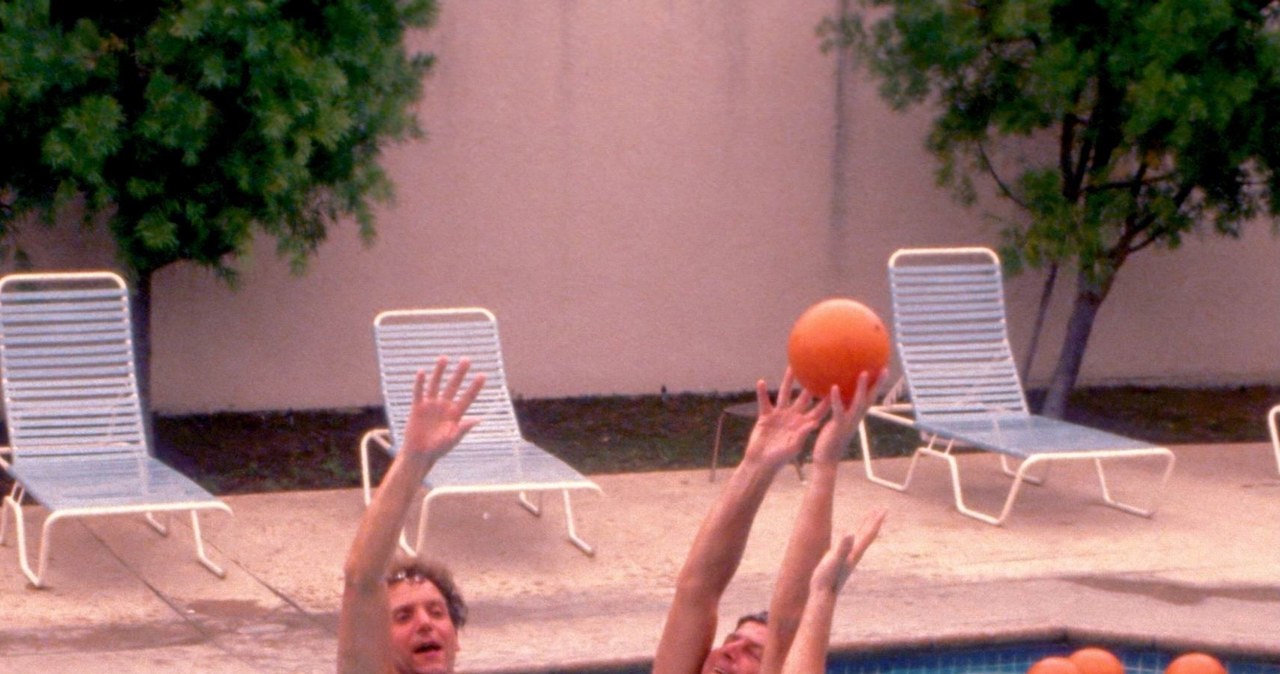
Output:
x,y
401,616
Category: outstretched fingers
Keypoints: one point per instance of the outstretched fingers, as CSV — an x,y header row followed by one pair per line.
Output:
x,y
784,389
437,375
763,404
455,380
814,415
840,561
469,396
867,533
831,571
862,397
429,389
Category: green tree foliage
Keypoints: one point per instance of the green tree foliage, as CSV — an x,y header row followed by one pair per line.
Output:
x,y
191,125
1146,120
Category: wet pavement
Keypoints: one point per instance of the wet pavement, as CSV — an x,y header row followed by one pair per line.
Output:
x,y
1203,573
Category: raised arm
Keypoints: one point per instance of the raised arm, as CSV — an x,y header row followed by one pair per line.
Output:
x,y
713,559
811,534
808,653
435,425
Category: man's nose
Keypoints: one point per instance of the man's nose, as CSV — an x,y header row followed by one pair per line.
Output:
x,y
425,624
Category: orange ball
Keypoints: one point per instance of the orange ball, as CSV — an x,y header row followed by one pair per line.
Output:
x,y
1054,665
833,342
1195,663
1096,661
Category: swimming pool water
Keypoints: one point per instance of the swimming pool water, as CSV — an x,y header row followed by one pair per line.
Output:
x,y
1009,659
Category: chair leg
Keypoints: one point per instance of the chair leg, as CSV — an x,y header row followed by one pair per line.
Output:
x,y
20,531
868,464
15,494
1130,508
957,490
366,479
1033,479
161,527
200,552
535,510
404,543
573,534
715,447
1275,433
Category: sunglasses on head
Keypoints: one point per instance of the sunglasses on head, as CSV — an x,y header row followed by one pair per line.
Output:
x,y
412,576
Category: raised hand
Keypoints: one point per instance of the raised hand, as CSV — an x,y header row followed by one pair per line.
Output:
x,y
834,437
436,422
782,425
843,557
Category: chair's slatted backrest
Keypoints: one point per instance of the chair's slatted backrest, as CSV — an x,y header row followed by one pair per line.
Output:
x,y
410,340
951,334
66,351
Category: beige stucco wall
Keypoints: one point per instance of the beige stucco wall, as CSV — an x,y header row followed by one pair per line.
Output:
x,y
647,194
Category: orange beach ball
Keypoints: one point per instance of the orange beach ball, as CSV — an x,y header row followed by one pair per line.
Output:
x,y
1053,665
1096,661
1195,663
833,342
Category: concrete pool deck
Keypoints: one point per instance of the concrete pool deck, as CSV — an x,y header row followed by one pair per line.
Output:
x,y
1204,572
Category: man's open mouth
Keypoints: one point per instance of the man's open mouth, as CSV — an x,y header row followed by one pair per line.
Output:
x,y
428,647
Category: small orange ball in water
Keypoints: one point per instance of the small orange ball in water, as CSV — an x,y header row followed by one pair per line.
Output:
x,y
1096,661
1053,665
833,342
1195,663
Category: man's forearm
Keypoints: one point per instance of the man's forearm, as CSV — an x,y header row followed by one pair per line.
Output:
x,y
810,538
721,540
379,529
808,655
713,559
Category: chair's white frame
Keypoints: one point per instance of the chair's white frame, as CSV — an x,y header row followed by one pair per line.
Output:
x,y
1275,433
44,444
493,406
942,445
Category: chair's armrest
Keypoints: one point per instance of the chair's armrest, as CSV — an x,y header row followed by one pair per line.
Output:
x,y
381,437
896,413
377,436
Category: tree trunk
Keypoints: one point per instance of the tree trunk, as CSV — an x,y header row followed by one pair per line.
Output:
x,y
1046,294
1084,311
141,311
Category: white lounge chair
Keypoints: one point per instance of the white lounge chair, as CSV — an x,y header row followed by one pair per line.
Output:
x,y
950,334
1275,432
494,457
77,440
